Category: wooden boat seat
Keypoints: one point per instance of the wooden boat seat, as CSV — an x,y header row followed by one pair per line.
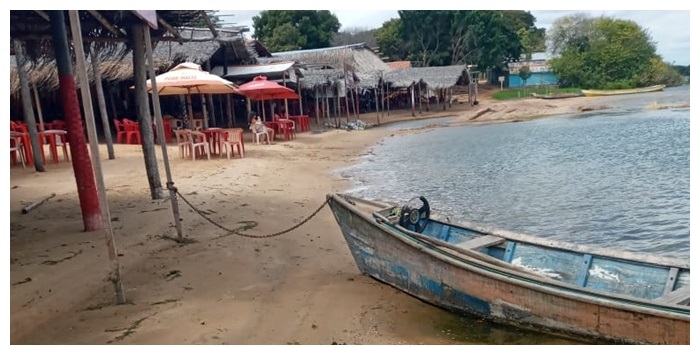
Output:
x,y
481,242
681,296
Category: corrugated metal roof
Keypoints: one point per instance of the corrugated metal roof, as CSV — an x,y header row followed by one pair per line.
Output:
x,y
249,70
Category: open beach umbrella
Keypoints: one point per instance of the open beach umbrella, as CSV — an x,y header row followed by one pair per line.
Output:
x,y
262,89
188,79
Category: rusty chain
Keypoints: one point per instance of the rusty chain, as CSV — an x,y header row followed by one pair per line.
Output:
x,y
237,230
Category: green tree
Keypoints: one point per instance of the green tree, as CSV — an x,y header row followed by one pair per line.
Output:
x,y
660,73
525,73
314,29
601,52
389,40
427,33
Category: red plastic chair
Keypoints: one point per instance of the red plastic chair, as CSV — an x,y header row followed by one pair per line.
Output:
x,y
121,132
132,132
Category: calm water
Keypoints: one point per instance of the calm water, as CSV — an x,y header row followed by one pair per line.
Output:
x,y
618,179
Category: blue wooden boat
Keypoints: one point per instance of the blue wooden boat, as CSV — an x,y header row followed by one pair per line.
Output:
x,y
568,290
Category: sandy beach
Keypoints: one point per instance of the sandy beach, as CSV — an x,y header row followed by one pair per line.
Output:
x,y
302,287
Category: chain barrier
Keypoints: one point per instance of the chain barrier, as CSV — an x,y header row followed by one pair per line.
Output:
x,y
238,232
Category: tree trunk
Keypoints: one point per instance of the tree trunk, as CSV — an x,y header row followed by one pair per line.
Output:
x,y
143,116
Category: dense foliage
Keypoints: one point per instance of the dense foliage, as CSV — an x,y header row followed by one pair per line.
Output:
x,y
488,39
295,29
606,53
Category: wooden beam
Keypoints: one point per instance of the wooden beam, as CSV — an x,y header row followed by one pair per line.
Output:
x,y
101,19
209,24
171,29
30,37
43,15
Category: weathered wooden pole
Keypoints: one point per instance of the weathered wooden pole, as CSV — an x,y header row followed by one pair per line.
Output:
x,y
29,117
205,116
300,97
81,163
102,102
338,106
386,86
413,99
420,98
114,275
377,105
159,127
37,100
353,102
317,106
143,116
229,110
348,114
190,117
285,100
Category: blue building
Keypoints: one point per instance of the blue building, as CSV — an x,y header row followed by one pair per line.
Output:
x,y
540,72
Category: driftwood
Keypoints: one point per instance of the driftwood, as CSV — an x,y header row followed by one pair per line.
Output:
x,y
36,204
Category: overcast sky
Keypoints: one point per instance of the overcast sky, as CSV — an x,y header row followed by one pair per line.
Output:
x,y
669,29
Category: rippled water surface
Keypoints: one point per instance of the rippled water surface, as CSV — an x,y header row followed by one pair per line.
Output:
x,y
617,179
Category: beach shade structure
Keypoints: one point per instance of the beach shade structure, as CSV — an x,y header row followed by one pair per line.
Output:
x,y
189,78
261,89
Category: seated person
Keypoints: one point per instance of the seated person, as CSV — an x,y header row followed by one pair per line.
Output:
x,y
258,127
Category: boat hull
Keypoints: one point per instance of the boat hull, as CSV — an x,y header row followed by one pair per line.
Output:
x,y
596,92
465,285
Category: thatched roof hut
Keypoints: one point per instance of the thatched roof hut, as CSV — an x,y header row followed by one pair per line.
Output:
x,y
116,65
366,63
435,77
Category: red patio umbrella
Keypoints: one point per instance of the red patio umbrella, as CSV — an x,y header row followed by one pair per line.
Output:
x,y
262,89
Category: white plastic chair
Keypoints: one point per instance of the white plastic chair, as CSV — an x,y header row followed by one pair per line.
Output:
x,y
199,140
184,145
233,138
16,145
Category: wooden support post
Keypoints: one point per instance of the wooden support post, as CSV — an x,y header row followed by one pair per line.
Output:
x,y
29,117
300,97
285,100
386,86
93,143
229,111
248,106
102,102
190,116
338,106
37,100
420,99
353,103
317,107
159,128
413,99
377,107
143,116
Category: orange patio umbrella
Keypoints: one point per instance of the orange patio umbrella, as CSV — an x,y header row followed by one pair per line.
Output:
x,y
262,89
189,78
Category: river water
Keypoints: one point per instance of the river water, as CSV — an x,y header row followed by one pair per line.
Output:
x,y
617,178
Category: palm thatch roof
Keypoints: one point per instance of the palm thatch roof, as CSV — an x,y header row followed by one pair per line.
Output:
x,y
316,78
116,65
106,27
435,77
366,63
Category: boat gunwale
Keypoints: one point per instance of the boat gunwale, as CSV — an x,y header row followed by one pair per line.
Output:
x,y
521,278
622,255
